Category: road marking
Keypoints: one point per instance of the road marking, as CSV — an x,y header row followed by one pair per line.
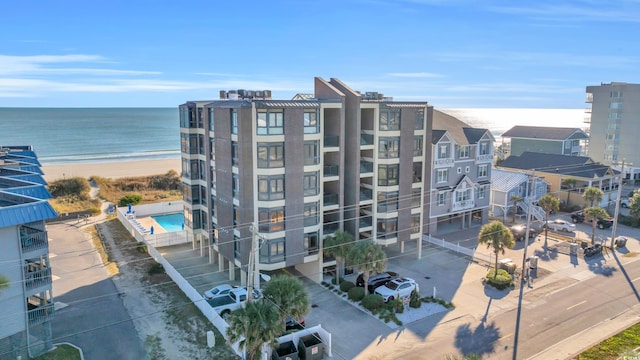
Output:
x,y
634,280
505,337
580,303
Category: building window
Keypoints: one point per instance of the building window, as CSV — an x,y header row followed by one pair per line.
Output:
x,y
311,243
235,185
484,148
615,105
311,216
459,170
271,187
417,172
441,198
483,170
464,151
463,195
388,175
234,121
616,94
211,123
234,153
443,151
271,219
416,197
614,115
467,169
420,120
389,119
418,145
311,153
310,186
387,228
236,247
442,175
270,122
273,251
389,148
270,155
212,149
415,223
236,215
481,192
311,121
387,201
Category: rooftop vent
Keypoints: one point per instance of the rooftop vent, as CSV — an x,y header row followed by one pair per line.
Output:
x,y
242,94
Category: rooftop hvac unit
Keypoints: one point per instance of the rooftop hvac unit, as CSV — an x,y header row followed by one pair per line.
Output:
x,y
223,94
250,94
242,93
267,94
233,96
259,93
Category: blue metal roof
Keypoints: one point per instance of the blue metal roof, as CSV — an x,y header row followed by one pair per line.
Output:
x,y
31,168
34,191
502,180
26,213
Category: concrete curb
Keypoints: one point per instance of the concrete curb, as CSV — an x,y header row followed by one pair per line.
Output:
x,y
73,346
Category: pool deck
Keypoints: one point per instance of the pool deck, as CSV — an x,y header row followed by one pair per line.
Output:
x,y
148,222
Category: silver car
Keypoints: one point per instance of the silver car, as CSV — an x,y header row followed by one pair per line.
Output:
x,y
560,225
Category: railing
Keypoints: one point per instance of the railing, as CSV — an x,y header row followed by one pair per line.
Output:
x,y
366,194
34,279
33,239
465,204
41,314
366,139
536,211
366,167
330,228
330,199
443,162
331,140
331,170
366,222
484,158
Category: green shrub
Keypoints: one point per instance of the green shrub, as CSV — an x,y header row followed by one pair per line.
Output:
x,y
132,199
502,280
77,186
95,210
156,268
415,301
346,285
356,293
372,302
398,305
142,248
628,220
333,281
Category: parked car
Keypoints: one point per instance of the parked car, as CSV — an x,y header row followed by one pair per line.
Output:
x,y
520,231
560,225
219,290
293,324
578,217
376,280
624,202
397,288
232,300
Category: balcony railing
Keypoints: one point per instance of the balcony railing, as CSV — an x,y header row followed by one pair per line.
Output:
x,y
330,228
330,199
366,167
366,194
464,204
38,278
331,141
331,170
32,239
366,139
366,222
40,314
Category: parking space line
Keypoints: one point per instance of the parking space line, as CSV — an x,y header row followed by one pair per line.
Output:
x,y
636,279
505,337
580,303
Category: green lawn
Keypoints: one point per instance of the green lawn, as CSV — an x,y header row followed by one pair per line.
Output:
x,y
615,346
61,352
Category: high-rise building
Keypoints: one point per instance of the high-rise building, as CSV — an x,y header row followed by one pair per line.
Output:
x,y
292,172
25,295
614,119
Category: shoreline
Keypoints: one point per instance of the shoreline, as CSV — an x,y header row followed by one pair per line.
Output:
x,y
114,170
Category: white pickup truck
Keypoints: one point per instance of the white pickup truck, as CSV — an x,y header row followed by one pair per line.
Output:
x,y
236,298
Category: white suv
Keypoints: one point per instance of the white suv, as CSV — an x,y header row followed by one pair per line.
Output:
x,y
397,288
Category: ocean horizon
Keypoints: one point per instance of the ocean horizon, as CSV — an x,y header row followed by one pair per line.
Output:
x,y
93,135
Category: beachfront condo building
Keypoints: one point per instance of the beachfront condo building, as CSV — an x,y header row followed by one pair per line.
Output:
x,y
614,126
26,301
289,173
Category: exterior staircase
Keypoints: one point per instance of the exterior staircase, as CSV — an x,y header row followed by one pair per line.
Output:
x,y
537,213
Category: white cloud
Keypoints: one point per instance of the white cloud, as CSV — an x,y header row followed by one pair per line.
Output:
x,y
419,75
50,64
623,11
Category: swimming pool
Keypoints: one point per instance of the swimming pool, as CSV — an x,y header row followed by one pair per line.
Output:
x,y
170,222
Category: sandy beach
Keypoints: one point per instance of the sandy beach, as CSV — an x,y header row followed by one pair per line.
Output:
x,y
111,169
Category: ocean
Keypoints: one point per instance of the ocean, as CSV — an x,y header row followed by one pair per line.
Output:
x,y
82,135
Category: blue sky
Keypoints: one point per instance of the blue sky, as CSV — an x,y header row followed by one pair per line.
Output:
x,y
452,53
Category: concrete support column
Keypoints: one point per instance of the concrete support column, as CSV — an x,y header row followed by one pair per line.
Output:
x,y
462,219
419,246
401,247
232,271
243,278
220,262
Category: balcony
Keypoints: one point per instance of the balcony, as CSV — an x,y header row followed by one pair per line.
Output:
x,y
40,314
462,205
484,158
589,98
330,228
366,194
366,167
366,140
444,162
331,170
32,239
365,222
331,141
330,200
36,279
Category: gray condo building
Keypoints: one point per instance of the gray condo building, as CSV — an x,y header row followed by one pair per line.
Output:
x,y
292,172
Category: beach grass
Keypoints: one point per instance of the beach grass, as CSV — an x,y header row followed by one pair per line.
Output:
x,y
153,188
616,346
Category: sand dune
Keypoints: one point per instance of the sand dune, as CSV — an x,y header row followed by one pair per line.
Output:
x,y
111,169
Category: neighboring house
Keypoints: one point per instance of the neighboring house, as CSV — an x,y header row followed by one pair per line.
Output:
x,y
291,172
506,184
556,168
27,304
461,177
549,140
614,127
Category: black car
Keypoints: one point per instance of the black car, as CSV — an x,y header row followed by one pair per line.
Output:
x,y
520,231
376,280
578,217
293,324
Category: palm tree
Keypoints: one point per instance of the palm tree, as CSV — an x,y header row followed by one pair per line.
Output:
x,y
593,214
593,195
253,325
368,257
548,203
568,183
290,297
496,236
515,199
338,246
634,204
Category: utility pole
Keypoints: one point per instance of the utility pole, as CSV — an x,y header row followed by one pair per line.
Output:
x,y
251,264
526,234
617,210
